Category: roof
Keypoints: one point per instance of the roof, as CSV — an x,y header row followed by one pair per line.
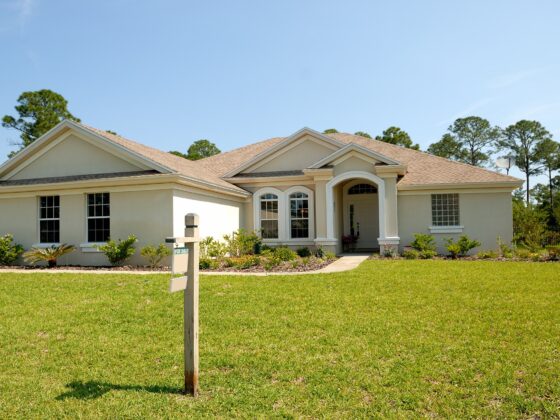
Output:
x,y
422,168
58,179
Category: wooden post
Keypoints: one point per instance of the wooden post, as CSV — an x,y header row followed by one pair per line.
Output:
x,y
191,306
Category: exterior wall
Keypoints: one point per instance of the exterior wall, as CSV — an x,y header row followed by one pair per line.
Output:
x,y
146,214
353,164
74,156
301,156
218,216
485,216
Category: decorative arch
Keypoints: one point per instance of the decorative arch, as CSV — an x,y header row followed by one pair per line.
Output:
x,y
355,175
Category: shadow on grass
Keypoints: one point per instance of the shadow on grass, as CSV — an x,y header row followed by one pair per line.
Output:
x,y
94,389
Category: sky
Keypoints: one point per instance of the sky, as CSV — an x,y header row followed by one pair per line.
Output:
x,y
167,73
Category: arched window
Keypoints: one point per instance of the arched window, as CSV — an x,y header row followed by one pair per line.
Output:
x,y
269,216
362,189
299,215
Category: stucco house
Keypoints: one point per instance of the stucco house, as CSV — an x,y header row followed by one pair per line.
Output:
x,y
80,185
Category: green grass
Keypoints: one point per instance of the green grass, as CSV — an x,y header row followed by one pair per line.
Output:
x,y
390,339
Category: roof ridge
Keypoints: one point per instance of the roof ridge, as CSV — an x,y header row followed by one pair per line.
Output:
x,y
407,149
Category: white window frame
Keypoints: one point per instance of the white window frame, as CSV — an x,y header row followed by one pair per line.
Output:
x,y
284,231
278,214
92,246
455,228
40,244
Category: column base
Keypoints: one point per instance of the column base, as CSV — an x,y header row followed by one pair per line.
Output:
x,y
389,245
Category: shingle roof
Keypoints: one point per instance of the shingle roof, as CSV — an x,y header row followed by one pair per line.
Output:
x,y
58,179
422,168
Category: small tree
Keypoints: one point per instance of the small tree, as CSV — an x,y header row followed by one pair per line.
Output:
x,y
9,251
330,131
548,155
201,149
119,251
462,247
362,134
155,255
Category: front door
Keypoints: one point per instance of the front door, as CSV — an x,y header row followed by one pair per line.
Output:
x,y
361,218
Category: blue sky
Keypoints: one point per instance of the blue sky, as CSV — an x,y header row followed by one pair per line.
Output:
x,y
167,73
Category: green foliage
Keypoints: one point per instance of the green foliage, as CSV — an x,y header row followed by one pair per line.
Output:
x,y
522,253
38,112
241,242
362,134
285,254
330,131
487,254
329,256
209,247
246,261
424,242
177,153
119,251
469,140
523,140
9,252
460,248
528,226
411,254
504,249
553,252
303,252
395,135
49,255
427,254
155,254
320,252
201,149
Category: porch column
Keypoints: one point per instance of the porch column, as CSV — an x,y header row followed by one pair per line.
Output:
x,y
390,238
321,177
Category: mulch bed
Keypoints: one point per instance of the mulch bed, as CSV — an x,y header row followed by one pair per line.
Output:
x,y
285,267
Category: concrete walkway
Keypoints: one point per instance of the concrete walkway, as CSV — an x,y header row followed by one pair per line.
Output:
x,y
345,263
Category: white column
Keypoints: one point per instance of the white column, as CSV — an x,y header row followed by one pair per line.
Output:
x,y
390,237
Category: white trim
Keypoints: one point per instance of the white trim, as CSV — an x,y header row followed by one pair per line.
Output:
x,y
45,245
352,147
390,240
281,145
446,229
351,175
92,247
257,212
311,204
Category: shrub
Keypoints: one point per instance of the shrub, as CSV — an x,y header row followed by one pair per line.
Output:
x,y
49,255
271,263
529,226
241,243
487,255
9,252
522,253
427,254
460,248
389,251
553,252
424,242
411,254
285,254
207,263
504,249
320,252
209,247
303,252
154,254
246,261
329,256
119,251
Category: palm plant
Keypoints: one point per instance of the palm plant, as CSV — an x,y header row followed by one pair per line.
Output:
x,y
48,255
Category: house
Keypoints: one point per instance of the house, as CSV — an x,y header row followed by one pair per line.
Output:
x,y
80,185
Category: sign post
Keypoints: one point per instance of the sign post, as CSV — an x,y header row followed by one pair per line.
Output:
x,y
189,284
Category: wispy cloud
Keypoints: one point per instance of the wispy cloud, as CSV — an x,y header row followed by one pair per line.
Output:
x,y
16,13
475,106
513,78
538,111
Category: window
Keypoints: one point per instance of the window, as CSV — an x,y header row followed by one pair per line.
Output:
x,y
445,209
299,215
98,217
49,219
362,189
269,216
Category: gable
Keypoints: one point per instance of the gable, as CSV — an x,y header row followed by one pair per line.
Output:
x,y
69,155
296,156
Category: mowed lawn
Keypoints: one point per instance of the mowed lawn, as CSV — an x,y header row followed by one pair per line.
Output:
x,y
389,339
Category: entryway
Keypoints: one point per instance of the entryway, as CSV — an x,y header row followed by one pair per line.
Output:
x,y
361,216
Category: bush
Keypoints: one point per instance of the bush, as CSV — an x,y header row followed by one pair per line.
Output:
x,y
9,252
119,251
522,253
320,252
529,226
208,264
242,242
329,256
246,261
389,251
411,254
49,255
209,247
285,254
487,255
504,249
553,252
427,254
460,248
154,254
303,252
423,242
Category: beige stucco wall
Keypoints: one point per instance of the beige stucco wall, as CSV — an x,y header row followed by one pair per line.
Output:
x,y
146,214
353,164
485,216
217,216
79,157
298,157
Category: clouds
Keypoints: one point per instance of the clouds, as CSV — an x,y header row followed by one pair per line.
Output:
x,y
467,111
15,13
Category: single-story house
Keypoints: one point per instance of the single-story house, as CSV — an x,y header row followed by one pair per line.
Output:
x,y
82,186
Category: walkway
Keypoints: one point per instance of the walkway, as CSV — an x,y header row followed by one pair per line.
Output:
x,y
345,263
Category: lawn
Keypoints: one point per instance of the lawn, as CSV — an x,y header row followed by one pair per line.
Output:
x,y
389,339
